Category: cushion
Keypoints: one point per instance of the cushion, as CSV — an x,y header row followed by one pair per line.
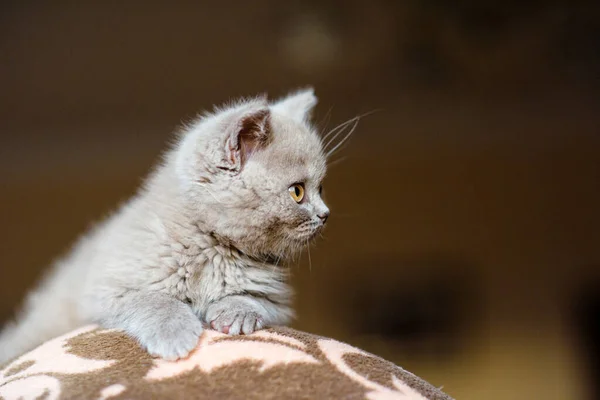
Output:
x,y
278,363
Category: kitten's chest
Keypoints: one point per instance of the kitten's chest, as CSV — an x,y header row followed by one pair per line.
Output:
x,y
184,267
200,276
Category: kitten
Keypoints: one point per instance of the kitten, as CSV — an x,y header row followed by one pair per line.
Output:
x,y
202,240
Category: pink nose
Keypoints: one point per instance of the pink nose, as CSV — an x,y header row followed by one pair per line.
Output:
x,y
324,216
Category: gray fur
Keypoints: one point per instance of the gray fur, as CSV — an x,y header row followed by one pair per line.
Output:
x,y
202,241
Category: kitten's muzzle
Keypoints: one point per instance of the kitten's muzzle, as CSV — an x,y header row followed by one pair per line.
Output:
x,y
323,217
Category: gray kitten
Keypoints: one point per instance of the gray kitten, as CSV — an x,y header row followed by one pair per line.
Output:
x,y
200,242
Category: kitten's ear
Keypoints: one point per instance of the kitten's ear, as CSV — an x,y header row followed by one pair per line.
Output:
x,y
250,132
298,105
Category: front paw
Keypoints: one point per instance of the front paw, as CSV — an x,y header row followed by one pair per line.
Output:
x,y
173,338
235,315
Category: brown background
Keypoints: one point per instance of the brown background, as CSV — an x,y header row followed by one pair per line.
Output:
x,y
465,230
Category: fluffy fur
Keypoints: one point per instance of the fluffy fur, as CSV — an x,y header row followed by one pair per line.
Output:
x,y
202,241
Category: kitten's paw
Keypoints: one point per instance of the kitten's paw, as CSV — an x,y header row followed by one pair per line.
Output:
x,y
233,316
174,338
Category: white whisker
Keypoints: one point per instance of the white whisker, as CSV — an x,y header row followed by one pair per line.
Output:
x,y
339,160
341,142
325,121
337,130
340,128
276,264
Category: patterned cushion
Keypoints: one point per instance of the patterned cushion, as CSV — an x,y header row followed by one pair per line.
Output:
x,y
279,363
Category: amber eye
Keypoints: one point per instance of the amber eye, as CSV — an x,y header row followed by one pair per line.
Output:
x,y
297,192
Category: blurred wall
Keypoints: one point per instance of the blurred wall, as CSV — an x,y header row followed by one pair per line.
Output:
x,y
465,227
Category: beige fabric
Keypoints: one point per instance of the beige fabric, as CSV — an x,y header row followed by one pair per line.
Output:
x,y
279,363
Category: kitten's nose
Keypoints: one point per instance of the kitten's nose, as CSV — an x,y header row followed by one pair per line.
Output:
x,y
324,216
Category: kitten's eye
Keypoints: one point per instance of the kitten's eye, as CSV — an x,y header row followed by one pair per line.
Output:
x,y
297,192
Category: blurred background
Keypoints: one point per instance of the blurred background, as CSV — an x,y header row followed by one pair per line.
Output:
x,y
464,242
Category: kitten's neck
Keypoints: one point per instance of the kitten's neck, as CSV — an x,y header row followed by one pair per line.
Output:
x,y
185,227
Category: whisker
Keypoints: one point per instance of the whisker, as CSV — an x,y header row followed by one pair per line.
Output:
x,y
337,130
298,261
276,263
339,160
325,121
341,142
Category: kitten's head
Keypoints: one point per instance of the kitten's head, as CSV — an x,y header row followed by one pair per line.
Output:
x,y
253,172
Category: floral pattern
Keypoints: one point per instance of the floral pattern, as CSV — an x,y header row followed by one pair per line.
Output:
x,y
95,363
